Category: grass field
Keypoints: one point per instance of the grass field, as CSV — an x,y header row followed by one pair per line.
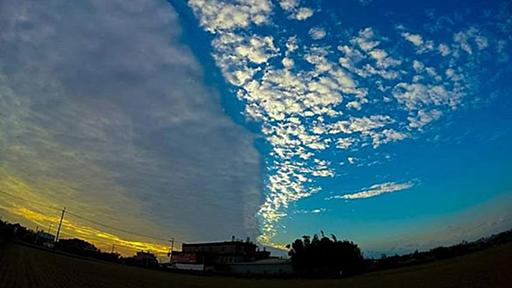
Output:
x,y
22,266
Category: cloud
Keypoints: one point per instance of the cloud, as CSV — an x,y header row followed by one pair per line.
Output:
x,y
105,112
312,211
258,49
417,95
422,45
317,33
288,5
218,15
375,190
468,39
311,99
415,39
292,7
303,13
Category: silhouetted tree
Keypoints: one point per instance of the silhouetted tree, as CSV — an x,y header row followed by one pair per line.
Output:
x,y
325,257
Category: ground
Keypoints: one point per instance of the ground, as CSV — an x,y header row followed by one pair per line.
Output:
x,y
22,267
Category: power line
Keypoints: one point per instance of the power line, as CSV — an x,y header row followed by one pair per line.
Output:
x,y
88,219
117,229
31,201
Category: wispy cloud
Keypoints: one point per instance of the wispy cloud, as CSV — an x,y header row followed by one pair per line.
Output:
x,y
312,211
375,190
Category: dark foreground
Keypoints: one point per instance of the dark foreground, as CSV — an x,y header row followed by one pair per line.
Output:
x,y
22,266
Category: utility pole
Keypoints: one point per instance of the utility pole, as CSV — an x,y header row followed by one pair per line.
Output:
x,y
171,249
113,248
60,224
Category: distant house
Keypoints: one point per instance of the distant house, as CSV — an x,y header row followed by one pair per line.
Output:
x,y
271,266
45,239
78,247
145,259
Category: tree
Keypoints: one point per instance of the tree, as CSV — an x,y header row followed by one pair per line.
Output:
x,y
325,257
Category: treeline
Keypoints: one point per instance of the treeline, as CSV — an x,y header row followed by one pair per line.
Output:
x,y
79,247
438,253
316,256
328,257
323,256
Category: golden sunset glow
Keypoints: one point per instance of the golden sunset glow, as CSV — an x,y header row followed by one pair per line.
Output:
x,y
44,213
104,240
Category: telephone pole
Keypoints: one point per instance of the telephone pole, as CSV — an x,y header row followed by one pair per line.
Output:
x,y
60,224
171,249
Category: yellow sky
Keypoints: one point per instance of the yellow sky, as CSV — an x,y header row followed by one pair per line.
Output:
x,y
22,204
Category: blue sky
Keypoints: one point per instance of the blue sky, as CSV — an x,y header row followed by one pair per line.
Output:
x,y
385,122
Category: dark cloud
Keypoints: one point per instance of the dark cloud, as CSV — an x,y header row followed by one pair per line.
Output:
x,y
102,98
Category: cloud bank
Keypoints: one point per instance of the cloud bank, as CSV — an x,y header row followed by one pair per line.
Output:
x,y
104,111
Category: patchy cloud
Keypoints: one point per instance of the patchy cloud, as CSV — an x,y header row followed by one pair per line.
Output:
x,y
317,33
311,99
294,9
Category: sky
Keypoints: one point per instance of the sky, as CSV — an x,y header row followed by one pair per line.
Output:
x,y
384,122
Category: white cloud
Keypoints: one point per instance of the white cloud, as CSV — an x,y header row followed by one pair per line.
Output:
x,y
375,190
303,13
345,143
461,38
307,108
418,66
422,45
288,5
360,124
423,118
317,33
288,62
417,95
258,49
217,15
415,39
366,39
292,7
387,136
444,50
468,39
481,42
312,211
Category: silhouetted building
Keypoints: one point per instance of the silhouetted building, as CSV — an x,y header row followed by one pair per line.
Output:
x,y
216,255
77,246
45,239
145,259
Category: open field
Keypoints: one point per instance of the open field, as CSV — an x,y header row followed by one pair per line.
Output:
x,y
22,266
